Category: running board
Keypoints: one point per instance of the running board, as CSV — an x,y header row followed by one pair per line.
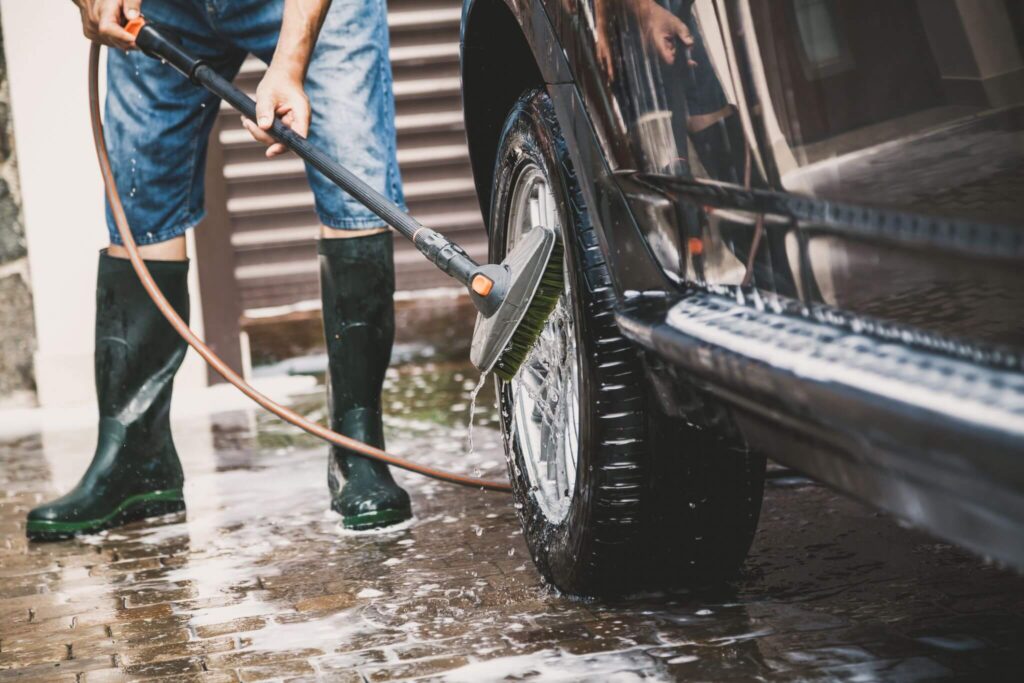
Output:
x,y
935,439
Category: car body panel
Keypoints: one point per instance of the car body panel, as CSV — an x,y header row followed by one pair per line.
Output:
x,y
877,193
632,264
931,437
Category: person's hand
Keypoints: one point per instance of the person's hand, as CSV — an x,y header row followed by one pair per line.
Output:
x,y
103,21
661,29
281,93
603,50
602,40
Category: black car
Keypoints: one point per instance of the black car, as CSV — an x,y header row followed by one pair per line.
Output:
x,y
791,228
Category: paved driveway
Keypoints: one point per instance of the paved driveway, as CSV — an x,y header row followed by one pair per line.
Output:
x,y
260,583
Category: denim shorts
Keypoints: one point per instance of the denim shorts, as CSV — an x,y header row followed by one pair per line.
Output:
x,y
158,123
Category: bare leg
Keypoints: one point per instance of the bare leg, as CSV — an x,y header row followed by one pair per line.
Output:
x,y
699,122
331,234
171,250
174,250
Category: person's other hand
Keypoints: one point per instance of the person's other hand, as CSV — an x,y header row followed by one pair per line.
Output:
x,y
103,21
280,93
661,29
604,55
602,40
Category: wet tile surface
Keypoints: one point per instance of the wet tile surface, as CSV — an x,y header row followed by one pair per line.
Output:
x,y
260,583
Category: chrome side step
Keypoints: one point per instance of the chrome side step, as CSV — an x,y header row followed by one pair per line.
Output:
x,y
952,389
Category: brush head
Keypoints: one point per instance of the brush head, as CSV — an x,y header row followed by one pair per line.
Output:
x,y
503,340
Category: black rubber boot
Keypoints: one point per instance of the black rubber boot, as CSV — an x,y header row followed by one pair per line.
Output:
x,y
357,286
135,471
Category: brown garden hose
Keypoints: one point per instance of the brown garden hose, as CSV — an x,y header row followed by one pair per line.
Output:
x,y
203,350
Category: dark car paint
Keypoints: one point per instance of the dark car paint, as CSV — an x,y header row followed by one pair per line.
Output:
x,y
632,265
940,278
958,476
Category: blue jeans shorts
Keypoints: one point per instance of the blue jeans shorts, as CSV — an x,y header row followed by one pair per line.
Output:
x,y
158,123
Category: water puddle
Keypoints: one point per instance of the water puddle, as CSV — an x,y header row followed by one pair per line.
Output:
x,y
557,665
399,528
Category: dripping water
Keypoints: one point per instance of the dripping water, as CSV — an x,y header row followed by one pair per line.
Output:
x,y
470,446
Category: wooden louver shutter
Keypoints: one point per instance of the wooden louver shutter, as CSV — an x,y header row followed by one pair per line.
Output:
x,y
269,207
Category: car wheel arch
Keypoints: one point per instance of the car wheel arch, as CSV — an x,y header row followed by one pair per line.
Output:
x,y
498,63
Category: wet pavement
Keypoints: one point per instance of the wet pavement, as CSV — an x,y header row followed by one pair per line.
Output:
x,y
260,583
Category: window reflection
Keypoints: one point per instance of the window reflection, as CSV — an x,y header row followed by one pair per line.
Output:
x,y
666,68
823,47
668,91
911,103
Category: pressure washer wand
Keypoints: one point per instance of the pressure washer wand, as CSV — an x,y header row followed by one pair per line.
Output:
x,y
515,298
487,284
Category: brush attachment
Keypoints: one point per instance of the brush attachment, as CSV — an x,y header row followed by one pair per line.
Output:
x,y
552,285
503,341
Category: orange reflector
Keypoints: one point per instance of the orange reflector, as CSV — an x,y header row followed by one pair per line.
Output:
x,y
482,285
696,246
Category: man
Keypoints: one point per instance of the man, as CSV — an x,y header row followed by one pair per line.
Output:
x,y
157,129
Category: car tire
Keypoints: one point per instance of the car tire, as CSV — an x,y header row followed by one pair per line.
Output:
x,y
705,494
599,523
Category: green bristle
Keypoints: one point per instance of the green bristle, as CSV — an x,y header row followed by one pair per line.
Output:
x,y
544,300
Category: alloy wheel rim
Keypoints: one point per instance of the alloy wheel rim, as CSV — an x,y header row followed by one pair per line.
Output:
x,y
545,392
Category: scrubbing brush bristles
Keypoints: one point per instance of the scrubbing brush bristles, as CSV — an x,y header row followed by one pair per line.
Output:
x,y
530,284
538,312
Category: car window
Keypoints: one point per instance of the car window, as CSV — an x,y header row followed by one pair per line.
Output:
x,y
908,103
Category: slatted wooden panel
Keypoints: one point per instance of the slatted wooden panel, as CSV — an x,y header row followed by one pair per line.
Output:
x,y
273,227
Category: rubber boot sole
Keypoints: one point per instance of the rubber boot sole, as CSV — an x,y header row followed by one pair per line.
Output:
x,y
132,509
377,519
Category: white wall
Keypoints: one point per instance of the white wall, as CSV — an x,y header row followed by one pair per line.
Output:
x,y
62,195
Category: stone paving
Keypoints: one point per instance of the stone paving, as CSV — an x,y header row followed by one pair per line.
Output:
x,y
259,582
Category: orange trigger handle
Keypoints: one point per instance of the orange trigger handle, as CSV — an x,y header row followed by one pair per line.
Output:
x,y
135,25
